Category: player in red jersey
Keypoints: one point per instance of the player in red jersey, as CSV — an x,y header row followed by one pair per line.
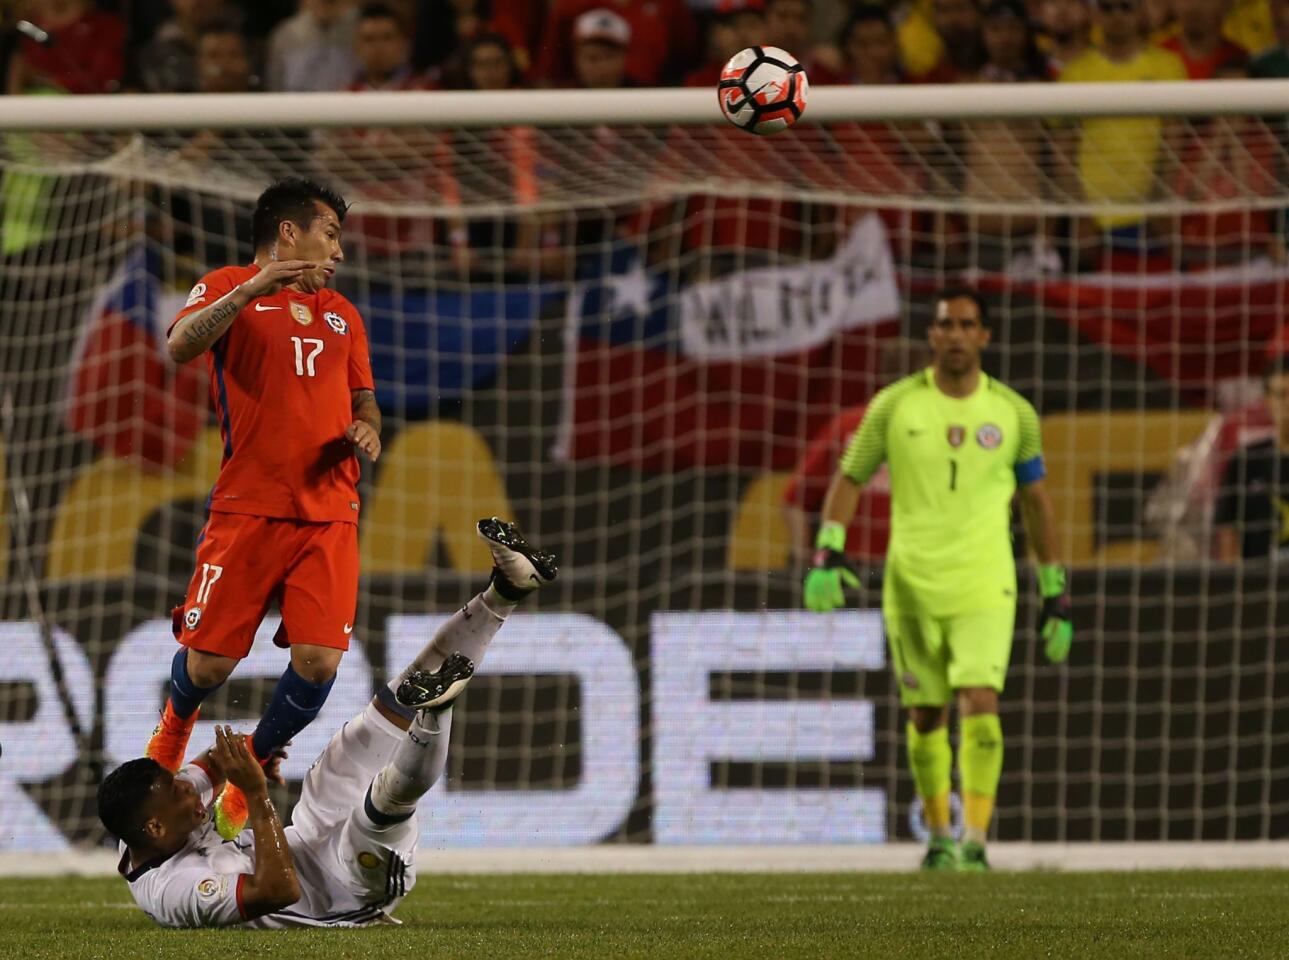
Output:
x,y
290,378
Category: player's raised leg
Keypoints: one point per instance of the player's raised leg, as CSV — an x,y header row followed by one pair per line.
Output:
x,y
216,623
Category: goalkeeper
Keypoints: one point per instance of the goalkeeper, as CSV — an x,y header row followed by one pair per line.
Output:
x,y
957,443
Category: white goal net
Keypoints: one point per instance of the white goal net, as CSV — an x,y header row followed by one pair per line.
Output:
x,y
645,340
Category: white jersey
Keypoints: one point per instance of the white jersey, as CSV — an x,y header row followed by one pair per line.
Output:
x,y
351,871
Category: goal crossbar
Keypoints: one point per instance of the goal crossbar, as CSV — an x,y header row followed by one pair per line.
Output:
x,y
647,106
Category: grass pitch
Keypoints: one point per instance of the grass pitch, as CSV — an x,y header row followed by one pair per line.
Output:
x,y
1016,916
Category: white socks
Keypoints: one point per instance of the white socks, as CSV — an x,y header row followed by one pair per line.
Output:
x,y
416,765
469,631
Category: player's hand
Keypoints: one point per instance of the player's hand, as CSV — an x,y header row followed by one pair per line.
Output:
x,y
275,275
364,436
273,765
232,751
824,582
1055,628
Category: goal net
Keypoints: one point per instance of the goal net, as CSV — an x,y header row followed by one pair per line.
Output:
x,y
645,335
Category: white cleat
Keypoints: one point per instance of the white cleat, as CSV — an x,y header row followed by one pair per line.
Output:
x,y
519,568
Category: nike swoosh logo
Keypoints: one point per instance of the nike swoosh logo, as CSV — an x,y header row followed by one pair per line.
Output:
x,y
348,628
261,307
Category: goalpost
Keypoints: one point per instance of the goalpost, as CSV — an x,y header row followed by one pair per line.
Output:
x,y
622,322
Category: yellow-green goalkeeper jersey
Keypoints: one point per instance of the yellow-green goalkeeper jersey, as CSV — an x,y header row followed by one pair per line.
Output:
x,y
954,466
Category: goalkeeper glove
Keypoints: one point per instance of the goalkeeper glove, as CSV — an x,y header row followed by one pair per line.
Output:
x,y
1054,626
830,571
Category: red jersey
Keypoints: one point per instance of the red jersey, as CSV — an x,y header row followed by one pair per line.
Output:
x,y
870,530
281,379
85,56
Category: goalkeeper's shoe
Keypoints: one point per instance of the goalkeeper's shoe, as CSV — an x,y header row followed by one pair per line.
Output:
x,y
425,690
971,858
169,739
518,567
941,854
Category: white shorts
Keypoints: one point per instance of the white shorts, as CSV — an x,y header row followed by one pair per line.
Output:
x,y
349,867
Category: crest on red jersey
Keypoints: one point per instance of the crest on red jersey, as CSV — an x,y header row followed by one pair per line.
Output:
x,y
956,435
303,315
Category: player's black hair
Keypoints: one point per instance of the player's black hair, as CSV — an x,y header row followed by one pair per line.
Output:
x,y
379,11
864,13
964,293
291,199
122,796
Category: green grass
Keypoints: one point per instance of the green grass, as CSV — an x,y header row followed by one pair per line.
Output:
x,y
1123,916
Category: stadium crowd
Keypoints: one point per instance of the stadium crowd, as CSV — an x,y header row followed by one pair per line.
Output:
x,y
81,46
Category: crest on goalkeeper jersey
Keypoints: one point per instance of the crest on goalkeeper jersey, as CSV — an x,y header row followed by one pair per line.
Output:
x,y
763,90
989,436
336,322
956,435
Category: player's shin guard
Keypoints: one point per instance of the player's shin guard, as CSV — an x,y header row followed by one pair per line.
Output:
x,y
416,766
931,761
468,632
980,764
295,703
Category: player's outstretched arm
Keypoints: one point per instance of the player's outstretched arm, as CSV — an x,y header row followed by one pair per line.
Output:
x,y
273,885
193,335
1055,628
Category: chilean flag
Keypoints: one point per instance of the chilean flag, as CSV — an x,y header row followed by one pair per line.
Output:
x,y
739,370
124,393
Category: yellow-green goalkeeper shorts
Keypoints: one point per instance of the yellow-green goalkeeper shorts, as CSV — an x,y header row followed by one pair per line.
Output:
x,y
934,656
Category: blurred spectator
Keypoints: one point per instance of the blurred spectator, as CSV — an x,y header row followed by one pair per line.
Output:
x,y
920,46
1199,41
1011,49
600,42
444,28
1252,512
787,26
223,63
958,24
664,39
1274,61
383,48
314,50
168,63
1225,159
1004,160
1251,24
1066,28
84,51
1117,159
491,64
868,42
733,26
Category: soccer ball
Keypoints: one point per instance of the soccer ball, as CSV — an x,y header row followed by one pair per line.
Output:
x,y
763,90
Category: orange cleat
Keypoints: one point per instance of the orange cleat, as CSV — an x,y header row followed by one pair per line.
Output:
x,y
169,740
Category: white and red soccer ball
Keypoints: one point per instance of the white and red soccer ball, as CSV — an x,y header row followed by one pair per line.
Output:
x,y
763,90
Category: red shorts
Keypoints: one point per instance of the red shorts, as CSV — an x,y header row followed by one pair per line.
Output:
x,y
244,563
